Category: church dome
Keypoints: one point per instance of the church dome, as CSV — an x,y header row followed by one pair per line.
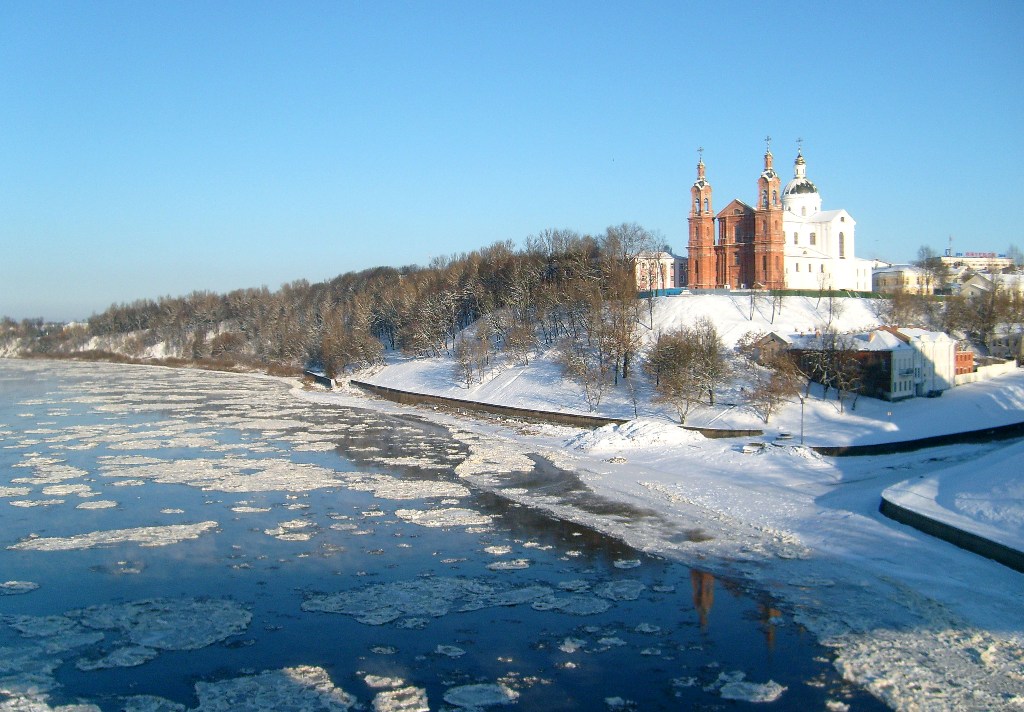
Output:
x,y
798,186
800,196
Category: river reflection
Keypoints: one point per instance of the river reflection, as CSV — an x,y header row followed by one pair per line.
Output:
x,y
346,563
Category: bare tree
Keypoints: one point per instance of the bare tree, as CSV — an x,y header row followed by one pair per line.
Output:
x,y
772,386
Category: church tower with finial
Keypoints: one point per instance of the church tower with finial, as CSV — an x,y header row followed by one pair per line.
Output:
x,y
769,238
701,270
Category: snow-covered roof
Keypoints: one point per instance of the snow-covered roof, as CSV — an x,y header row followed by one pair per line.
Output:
x,y
925,334
896,268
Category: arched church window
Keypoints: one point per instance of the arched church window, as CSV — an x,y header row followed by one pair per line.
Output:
x,y
764,263
696,206
736,234
814,238
803,211
705,205
775,197
764,198
842,246
796,238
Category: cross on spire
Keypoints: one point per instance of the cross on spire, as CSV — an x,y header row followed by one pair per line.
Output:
x,y
800,146
768,143
700,154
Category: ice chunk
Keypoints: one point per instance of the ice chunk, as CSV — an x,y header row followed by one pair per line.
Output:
x,y
451,651
169,624
424,598
97,504
122,657
732,686
482,695
453,517
509,565
623,590
143,536
13,588
299,689
403,699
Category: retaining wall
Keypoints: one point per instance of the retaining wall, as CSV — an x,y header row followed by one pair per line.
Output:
x,y
965,540
542,416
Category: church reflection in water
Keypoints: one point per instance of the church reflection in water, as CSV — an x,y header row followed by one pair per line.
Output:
x,y
704,598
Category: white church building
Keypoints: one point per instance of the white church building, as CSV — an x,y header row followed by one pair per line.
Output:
x,y
820,247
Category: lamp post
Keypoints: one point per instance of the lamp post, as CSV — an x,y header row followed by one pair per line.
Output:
x,y
802,400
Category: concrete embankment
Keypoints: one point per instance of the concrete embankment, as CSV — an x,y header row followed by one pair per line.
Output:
x,y
543,416
1005,555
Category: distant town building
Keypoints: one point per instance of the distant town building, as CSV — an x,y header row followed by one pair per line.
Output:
x,y
901,278
896,363
977,261
786,242
983,284
659,270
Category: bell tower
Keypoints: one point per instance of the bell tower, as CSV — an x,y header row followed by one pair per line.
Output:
x,y
769,239
701,246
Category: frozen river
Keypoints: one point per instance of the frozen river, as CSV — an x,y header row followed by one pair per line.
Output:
x,y
181,540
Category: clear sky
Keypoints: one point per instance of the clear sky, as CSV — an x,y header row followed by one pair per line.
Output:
x,y
154,148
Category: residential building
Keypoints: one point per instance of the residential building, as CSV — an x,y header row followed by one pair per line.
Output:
x,y
659,270
901,278
983,284
895,363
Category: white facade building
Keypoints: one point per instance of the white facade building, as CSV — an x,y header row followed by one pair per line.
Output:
x,y
659,270
935,362
820,245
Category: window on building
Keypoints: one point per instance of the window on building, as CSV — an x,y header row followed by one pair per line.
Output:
x,y
736,259
822,266
764,263
736,234
842,218
797,266
796,238
803,211
705,205
842,246
814,238
775,197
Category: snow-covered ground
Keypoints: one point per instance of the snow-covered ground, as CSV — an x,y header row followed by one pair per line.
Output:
x,y
921,623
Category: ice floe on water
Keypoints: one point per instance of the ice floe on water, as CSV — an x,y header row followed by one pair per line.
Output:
x,y
97,504
304,688
292,530
401,699
13,588
232,474
442,517
168,624
434,597
108,636
26,503
473,697
733,686
509,565
143,536
394,488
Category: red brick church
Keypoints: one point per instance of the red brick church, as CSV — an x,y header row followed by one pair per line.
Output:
x,y
749,249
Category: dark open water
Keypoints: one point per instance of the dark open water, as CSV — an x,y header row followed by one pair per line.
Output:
x,y
597,625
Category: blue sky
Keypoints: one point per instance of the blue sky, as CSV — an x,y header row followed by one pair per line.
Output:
x,y
159,148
